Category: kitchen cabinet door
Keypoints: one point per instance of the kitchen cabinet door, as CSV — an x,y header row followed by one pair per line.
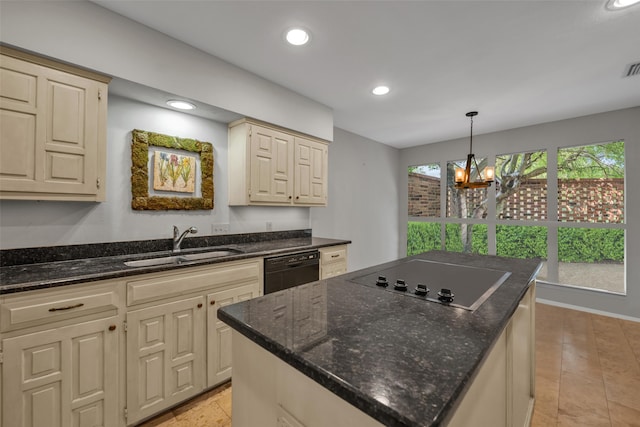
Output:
x,y
62,377
310,181
333,261
165,356
274,166
271,166
219,334
52,132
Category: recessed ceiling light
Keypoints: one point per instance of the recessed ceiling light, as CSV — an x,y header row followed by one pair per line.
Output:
x,y
297,36
380,90
180,105
620,4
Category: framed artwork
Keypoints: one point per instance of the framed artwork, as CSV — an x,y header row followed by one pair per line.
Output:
x,y
174,170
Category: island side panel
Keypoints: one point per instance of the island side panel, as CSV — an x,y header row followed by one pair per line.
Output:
x,y
503,391
270,393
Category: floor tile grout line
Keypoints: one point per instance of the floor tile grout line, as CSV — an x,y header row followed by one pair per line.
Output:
x,y
624,332
604,382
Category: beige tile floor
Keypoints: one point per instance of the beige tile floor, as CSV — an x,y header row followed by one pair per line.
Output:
x,y
587,375
587,369
211,409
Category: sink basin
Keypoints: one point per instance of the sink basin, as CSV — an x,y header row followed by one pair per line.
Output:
x,y
181,258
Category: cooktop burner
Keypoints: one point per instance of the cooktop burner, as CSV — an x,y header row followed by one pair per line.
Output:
x,y
449,284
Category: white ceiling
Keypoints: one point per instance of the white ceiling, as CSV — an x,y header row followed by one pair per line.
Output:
x,y
517,62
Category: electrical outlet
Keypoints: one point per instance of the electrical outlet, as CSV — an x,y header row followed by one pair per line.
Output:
x,y
219,228
269,226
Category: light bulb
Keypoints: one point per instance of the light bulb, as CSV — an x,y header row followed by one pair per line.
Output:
x,y
180,105
297,36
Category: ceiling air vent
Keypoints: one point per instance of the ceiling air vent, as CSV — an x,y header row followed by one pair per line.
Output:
x,y
632,70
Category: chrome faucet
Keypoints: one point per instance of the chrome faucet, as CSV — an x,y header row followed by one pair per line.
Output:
x,y
178,240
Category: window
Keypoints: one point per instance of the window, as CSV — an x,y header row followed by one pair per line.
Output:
x,y
521,186
424,202
424,191
576,225
591,216
468,203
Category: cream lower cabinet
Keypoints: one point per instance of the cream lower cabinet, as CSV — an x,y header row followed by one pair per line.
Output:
x,y
112,353
333,261
176,347
165,355
62,377
60,357
219,333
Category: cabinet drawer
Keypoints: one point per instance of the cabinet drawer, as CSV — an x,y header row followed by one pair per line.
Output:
x,y
47,306
163,285
333,254
334,269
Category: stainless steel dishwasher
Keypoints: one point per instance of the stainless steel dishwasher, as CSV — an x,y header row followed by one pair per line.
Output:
x,y
287,271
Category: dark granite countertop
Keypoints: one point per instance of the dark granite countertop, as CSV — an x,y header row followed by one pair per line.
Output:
x,y
403,361
37,268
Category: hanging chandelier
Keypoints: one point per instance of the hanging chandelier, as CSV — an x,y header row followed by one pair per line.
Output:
x,y
463,175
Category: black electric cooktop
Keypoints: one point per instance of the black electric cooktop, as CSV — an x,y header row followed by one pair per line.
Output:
x,y
450,284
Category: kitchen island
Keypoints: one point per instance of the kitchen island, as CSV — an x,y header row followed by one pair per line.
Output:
x,y
342,352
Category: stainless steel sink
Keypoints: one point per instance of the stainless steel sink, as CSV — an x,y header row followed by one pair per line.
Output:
x,y
181,258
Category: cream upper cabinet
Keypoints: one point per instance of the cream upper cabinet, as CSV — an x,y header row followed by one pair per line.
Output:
x,y
274,166
271,159
52,130
311,169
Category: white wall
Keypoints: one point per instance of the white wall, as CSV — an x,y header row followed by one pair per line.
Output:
x,y
612,126
31,223
363,199
85,34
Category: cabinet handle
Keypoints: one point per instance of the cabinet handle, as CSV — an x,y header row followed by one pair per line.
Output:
x,y
112,327
66,308
213,302
335,256
200,305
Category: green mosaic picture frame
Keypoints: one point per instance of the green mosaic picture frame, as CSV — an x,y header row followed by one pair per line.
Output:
x,y
140,199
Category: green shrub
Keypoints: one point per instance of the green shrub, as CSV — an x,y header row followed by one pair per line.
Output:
x,y
521,241
422,237
590,245
453,239
574,244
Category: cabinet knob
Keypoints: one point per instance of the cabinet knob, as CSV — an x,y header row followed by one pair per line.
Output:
x,y
200,305
289,197
297,197
112,327
213,302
